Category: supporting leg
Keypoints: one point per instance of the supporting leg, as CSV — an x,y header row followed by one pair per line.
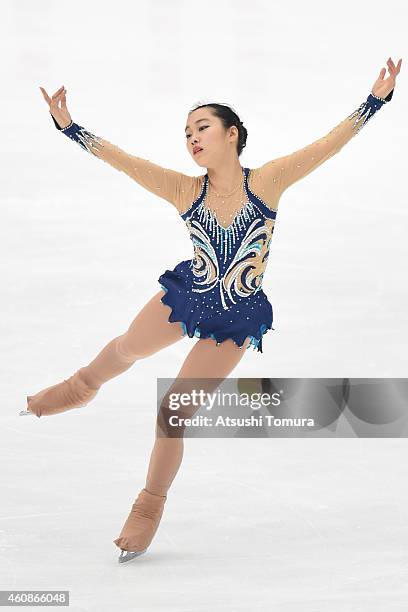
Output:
x,y
205,360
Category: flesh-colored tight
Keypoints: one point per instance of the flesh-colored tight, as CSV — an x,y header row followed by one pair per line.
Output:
x,y
148,333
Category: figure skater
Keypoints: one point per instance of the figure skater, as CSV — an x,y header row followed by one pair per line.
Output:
x,y
217,295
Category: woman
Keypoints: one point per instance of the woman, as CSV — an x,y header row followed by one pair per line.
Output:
x,y
217,296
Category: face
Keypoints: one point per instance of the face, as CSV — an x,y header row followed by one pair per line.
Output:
x,y
205,130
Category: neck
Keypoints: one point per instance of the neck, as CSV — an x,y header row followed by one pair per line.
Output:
x,y
226,176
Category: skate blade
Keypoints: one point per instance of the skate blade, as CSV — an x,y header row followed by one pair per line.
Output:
x,y
126,555
27,412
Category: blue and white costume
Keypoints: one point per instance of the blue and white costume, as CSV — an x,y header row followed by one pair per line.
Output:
x,y
218,293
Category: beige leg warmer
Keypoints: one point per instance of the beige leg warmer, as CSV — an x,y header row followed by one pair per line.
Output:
x,y
142,522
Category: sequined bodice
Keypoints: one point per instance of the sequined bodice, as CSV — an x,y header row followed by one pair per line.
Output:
x,y
231,260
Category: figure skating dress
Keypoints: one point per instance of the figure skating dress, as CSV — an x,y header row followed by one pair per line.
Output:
x,y
218,293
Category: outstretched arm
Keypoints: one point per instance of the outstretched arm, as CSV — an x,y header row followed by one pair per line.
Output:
x,y
175,187
278,174
170,185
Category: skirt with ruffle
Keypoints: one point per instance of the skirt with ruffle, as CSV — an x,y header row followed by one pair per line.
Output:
x,y
202,315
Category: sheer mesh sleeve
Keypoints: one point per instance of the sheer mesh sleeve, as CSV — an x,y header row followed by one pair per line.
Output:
x,y
175,187
277,175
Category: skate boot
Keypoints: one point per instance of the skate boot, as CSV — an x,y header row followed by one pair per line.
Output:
x,y
141,525
71,393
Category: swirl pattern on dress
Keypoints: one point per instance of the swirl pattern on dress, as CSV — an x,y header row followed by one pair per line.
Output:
x,y
205,262
245,272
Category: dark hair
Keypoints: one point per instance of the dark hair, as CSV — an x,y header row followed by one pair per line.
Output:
x,y
229,118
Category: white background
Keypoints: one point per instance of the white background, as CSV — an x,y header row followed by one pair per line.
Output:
x,y
249,524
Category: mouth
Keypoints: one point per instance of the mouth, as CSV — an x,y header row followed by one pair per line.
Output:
x,y
197,152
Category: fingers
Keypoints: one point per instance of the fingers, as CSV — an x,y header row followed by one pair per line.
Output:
x,y
58,92
56,97
59,98
391,66
45,95
63,100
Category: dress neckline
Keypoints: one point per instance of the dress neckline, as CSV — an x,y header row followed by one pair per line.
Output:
x,y
213,214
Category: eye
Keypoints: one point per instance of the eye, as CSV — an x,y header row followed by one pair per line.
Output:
x,y
202,127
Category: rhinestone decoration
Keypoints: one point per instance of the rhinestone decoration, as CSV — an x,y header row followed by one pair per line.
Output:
x,y
223,280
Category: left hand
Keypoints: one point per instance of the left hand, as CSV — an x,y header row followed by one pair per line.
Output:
x,y
382,87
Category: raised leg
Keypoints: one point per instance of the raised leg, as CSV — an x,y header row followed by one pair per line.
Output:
x,y
148,333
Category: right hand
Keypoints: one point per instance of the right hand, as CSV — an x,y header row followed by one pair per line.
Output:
x,y
60,113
